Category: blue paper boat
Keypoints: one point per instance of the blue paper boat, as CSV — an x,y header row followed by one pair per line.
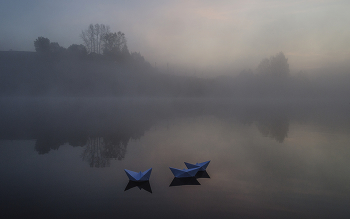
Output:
x,y
140,176
191,172
202,166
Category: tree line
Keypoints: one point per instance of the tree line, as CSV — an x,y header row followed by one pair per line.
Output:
x,y
271,78
98,42
102,65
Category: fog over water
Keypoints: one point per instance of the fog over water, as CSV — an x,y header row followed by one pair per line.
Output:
x,y
64,157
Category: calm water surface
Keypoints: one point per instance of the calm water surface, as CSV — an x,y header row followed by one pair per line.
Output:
x,y
65,158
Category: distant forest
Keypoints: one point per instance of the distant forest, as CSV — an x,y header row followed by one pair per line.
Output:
x,y
103,66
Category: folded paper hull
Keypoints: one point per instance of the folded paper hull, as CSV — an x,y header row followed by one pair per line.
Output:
x,y
202,166
191,172
138,176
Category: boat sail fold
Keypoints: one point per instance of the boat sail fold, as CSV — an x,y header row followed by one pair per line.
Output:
x,y
138,176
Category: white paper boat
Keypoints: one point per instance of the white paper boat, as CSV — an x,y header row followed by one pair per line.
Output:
x,y
202,166
191,172
140,176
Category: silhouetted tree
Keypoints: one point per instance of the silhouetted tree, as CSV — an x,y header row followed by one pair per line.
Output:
x,y
264,67
115,47
42,44
277,66
56,48
125,54
92,37
136,56
114,43
79,50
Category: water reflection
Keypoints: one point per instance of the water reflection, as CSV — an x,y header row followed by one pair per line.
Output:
x,y
189,180
202,174
48,142
299,170
275,127
105,127
99,151
141,185
184,181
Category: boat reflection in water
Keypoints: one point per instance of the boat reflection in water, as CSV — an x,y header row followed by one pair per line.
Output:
x,y
145,185
189,180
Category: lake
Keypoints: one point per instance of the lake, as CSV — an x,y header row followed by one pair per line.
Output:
x,y
65,158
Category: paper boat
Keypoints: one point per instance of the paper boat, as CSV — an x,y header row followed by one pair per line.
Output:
x,y
140,176
191,172
202,166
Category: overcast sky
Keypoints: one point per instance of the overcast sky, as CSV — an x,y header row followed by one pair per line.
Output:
x,y
200,35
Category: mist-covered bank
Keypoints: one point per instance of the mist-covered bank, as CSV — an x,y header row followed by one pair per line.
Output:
x,y
73,75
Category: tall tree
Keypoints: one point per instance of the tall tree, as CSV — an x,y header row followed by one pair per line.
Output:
x,y
114,42
277,66
92,37
115,47
264,68
137,57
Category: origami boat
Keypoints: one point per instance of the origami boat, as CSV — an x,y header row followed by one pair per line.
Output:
x,y
191,172
202,166
140,176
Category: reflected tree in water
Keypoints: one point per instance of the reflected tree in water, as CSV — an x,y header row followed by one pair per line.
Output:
x,y
99,151
274,127
93,153
115,148
44,144
52,141
271,120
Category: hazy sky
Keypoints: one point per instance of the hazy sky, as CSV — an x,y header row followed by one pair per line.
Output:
x,y
196,34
